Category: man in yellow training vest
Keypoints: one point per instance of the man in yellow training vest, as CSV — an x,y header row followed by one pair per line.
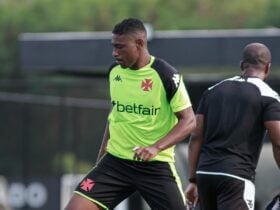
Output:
x,y
151,112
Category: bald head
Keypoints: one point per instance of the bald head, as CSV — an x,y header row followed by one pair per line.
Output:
x,y
256,55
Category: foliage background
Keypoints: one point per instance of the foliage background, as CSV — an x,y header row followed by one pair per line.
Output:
x,y
18,16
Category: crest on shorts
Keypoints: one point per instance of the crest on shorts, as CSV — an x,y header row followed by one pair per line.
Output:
x,y
87,184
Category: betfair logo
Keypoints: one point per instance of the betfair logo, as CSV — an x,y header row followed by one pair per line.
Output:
x,y
135,108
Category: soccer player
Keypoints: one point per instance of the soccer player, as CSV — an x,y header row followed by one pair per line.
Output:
x,y
232,119
151,112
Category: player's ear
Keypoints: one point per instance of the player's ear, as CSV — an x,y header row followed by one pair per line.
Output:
x,y
140,43
267,69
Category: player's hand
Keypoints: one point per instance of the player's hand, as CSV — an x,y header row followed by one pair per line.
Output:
x,y
191,195
145,153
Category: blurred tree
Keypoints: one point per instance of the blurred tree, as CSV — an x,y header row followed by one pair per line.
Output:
x,y
17,16
272,15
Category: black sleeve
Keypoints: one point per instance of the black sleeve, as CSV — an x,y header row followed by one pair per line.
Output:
x,y
272,109
169,77
202,106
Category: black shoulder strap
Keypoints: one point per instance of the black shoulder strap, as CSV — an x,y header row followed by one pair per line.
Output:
x,y
168,75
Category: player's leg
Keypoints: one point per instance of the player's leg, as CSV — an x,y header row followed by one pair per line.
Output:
x,y
235,194
104,187
207,191
78,202
161,187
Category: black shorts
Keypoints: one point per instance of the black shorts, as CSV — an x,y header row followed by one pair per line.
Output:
x,y
218,191
114,179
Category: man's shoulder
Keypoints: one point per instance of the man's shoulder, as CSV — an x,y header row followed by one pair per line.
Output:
x,y
235,78
112,66
265,89
163,67
169,76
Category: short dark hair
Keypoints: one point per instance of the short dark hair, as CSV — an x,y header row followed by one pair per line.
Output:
x,y
129,25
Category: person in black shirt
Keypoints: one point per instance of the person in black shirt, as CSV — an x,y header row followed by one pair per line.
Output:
x,y
232,119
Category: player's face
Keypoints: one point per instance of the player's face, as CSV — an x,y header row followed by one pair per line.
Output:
x,y
125,50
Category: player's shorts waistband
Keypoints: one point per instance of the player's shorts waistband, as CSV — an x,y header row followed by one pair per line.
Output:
x,y
223,174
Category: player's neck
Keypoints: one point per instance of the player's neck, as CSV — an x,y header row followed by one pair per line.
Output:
x,y
143,61
253,73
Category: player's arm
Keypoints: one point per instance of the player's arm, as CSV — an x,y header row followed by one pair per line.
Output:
x,y
195,144
103,146
186,118
186,123
273,128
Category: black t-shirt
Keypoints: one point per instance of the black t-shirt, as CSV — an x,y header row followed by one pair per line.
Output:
x,y
234,112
